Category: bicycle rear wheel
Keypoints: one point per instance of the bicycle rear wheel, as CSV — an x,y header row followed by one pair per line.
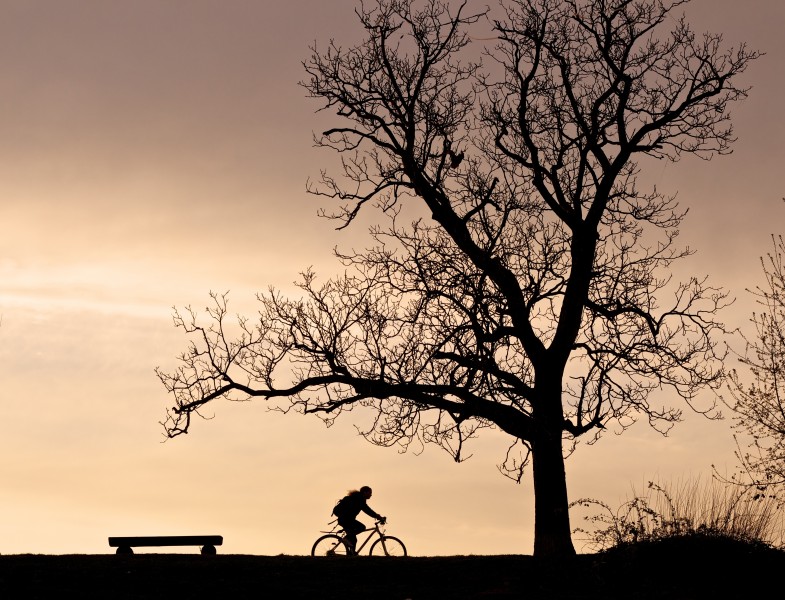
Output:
x,y
388,545
329,545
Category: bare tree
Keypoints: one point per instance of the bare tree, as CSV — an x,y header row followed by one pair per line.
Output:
x,y
533,293
760,406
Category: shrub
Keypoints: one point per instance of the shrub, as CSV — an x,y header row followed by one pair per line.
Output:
x,y
688,508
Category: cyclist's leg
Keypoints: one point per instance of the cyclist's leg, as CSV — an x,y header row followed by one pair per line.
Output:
x,y
352,527
349,538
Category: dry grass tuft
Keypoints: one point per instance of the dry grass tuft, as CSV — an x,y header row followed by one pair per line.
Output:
x,y
690,507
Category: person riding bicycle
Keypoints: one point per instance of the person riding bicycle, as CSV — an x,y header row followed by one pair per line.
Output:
x,y
347,510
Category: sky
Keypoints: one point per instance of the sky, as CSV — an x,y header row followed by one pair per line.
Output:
x,y
154,151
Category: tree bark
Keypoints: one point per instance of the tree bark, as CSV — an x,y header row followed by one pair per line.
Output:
x,y
552,532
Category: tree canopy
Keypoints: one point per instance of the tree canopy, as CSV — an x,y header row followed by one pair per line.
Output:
x,y
531,292
759,406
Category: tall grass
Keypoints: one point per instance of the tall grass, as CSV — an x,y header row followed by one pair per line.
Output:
x,y
685,508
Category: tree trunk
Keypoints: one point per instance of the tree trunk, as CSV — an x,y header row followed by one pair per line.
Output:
x,y
552,535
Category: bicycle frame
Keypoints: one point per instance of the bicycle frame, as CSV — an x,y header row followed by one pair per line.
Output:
x,y
371,532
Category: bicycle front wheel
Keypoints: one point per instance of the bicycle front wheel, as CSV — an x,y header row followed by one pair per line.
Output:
x,y
388,545
329,545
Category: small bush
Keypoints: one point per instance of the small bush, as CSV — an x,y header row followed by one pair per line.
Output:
x,y
690,508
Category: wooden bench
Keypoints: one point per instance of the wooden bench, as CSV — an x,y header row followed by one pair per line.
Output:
x,y
125,545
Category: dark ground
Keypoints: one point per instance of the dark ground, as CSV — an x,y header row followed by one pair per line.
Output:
x,y
673,569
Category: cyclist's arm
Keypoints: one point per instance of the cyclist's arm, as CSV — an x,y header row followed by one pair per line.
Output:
x,y
371,513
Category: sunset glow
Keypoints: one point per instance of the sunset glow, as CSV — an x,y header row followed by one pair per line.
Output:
x,y
152,152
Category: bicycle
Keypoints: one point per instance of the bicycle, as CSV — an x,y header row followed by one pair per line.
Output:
x,y
334,544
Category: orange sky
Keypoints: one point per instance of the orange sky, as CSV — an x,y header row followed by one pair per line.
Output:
x,y
153,151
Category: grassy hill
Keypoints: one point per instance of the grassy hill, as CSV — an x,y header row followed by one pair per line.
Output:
x,y
674,569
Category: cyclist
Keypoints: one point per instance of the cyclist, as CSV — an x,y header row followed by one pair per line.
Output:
x,y
348,508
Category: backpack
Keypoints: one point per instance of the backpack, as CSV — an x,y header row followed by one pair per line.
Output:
x,y
340,508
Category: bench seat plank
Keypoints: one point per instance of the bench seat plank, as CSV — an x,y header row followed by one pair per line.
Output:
x,y
166,540
125,545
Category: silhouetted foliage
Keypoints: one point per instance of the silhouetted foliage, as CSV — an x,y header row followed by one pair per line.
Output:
x,y
760,406
533,293
714,509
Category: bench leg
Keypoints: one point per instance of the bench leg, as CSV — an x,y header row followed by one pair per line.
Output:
x,y
124,550
208,549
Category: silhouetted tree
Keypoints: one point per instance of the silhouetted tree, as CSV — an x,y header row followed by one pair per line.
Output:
x,y
532,294
760,406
